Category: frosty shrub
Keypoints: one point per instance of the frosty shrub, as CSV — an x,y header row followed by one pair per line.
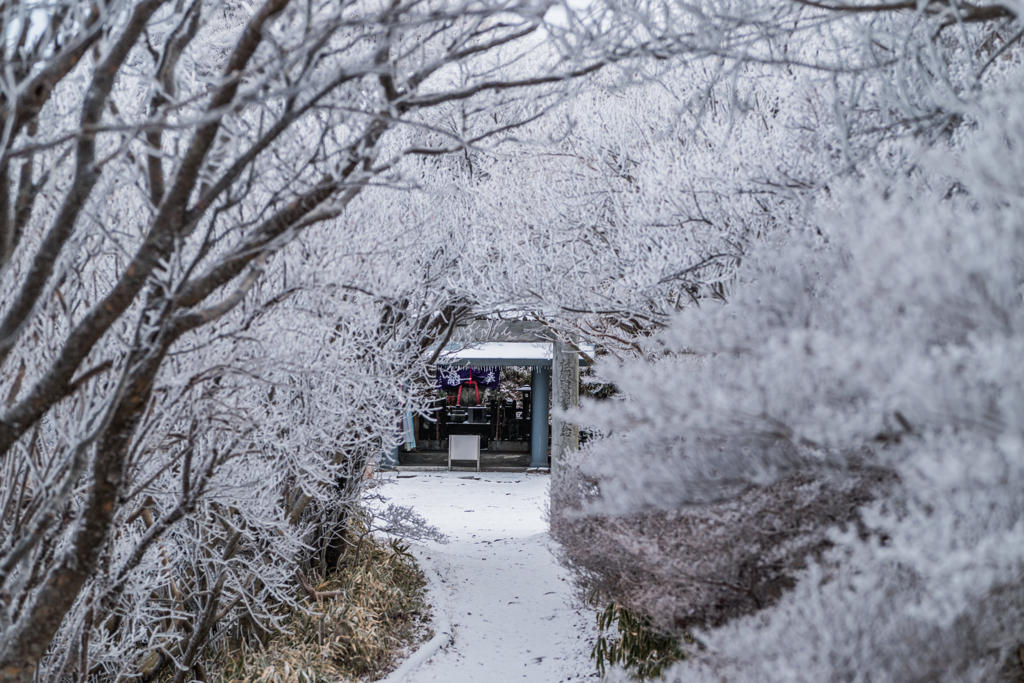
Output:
x,y
826,472
403,522
703,565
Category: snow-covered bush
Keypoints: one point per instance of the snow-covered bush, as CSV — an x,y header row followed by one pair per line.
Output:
x,y
874,360
822,476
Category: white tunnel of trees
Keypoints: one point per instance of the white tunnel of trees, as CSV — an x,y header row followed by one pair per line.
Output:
x,y
236,237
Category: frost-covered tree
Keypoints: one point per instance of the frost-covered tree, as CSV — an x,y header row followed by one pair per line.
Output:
x,y
201,339
605,217
640,197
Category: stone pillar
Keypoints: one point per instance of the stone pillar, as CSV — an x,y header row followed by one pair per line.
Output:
x,y
540,382
565,395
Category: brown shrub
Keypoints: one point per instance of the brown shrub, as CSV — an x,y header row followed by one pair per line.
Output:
x,y
364,614
702,565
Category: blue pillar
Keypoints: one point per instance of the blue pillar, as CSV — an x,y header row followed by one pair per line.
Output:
x,y
540,382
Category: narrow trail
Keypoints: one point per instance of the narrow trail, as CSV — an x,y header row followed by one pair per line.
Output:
x,y
507,599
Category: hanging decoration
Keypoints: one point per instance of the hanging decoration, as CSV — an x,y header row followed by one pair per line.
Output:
x,y
452,377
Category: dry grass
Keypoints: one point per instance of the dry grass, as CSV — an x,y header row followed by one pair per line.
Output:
x,y
375,610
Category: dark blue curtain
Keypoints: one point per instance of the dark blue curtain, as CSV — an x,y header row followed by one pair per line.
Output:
x,y
451,376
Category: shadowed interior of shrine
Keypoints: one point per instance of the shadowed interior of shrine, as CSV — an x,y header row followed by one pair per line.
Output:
x,y
502,392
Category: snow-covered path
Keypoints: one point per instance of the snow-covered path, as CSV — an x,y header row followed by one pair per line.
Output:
x,y
506,597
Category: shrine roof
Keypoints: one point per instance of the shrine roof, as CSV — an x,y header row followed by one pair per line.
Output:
x,y
503,353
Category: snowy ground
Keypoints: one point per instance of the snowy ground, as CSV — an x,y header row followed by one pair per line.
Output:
x,y
505,597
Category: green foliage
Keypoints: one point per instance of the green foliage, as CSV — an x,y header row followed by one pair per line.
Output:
x,y
640,648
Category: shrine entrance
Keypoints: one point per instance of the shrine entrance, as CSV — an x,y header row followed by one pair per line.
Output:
x,y
512,417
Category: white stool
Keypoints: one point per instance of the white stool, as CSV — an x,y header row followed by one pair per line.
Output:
x,y
464,447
